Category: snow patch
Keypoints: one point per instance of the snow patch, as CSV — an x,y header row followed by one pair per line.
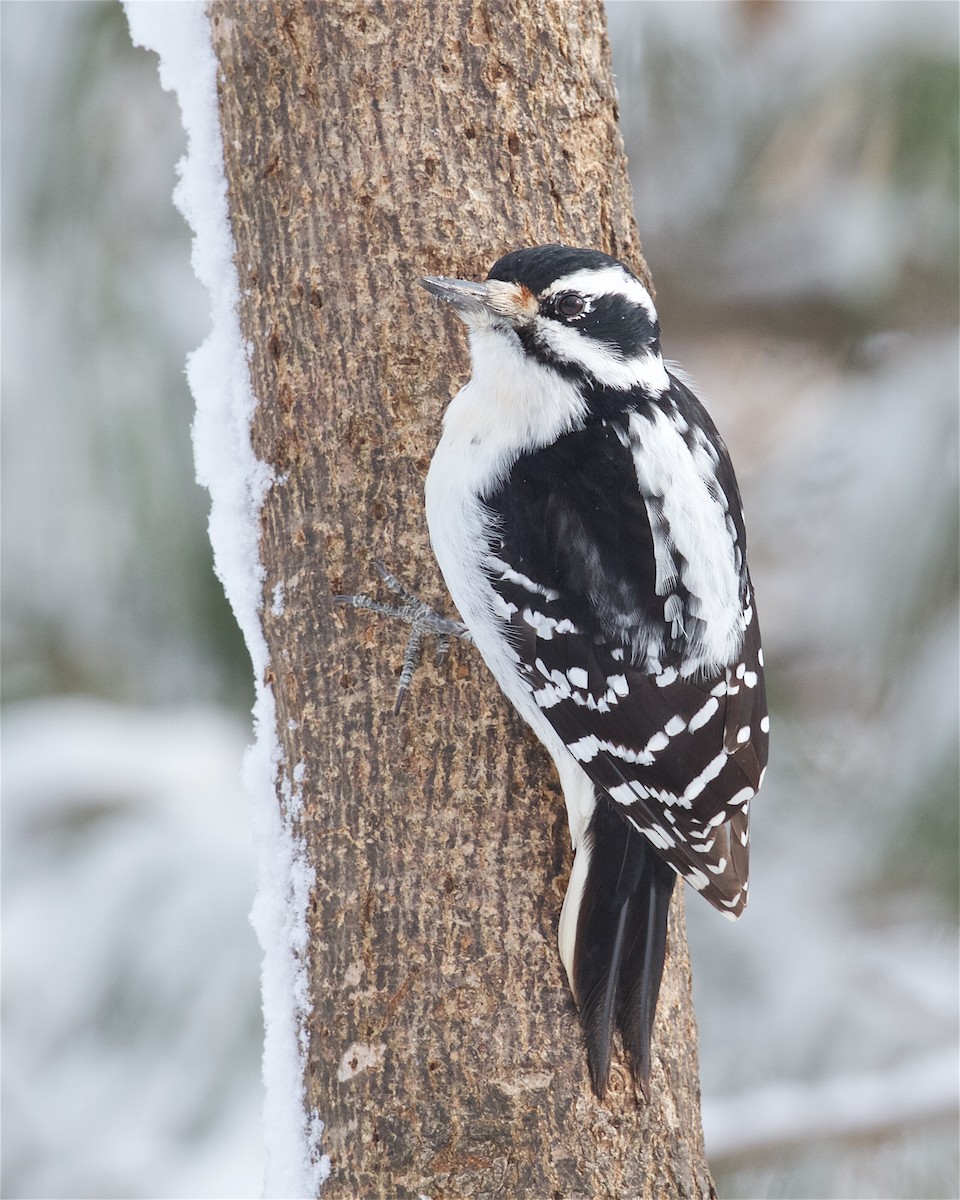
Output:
x,y
237,482
359,1057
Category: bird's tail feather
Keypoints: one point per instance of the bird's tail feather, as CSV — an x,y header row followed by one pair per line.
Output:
x,y
621,943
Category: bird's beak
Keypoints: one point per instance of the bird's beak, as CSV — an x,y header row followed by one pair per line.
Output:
x,y
478,303
467,297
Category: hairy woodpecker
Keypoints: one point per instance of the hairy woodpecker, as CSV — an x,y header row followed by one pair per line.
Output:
x,y
586,518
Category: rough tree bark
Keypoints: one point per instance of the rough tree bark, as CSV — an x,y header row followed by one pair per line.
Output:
x,y
366,144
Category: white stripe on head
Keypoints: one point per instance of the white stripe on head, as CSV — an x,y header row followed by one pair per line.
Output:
x,y
605,281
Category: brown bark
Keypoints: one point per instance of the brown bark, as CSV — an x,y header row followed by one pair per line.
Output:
x,y
367,144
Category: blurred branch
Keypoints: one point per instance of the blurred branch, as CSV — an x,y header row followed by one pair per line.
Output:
x,y
851,1108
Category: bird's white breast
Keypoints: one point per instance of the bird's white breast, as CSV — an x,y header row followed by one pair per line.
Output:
x,y
510,406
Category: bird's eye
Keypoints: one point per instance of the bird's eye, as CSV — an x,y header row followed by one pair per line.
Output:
x,y
570,305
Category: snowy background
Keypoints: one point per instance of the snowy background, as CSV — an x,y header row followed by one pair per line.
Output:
x,y
796,173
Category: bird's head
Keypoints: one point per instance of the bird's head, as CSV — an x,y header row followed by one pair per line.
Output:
x,y
578,312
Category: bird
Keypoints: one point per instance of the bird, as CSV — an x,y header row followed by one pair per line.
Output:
x,y
585,516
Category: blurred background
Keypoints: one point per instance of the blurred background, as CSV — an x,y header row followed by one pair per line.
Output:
x,y
795,170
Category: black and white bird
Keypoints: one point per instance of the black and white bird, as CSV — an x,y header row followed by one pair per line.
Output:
x,y
585,515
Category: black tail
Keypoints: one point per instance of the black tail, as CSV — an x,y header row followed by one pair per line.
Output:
x,y
621,943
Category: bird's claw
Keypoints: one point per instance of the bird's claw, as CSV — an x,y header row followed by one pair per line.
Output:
x,y
423,622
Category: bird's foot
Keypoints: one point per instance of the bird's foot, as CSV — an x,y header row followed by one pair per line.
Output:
x,y
423,622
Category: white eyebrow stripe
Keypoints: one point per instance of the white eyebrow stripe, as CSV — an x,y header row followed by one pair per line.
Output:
x,y
605,281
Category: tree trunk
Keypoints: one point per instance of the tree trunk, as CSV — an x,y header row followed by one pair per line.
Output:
x,y
367,144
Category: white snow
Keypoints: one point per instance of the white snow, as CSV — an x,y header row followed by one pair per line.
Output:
x,y
130,1026
226,465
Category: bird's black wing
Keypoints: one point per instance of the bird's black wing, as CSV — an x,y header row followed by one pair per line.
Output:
x,y
574,564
